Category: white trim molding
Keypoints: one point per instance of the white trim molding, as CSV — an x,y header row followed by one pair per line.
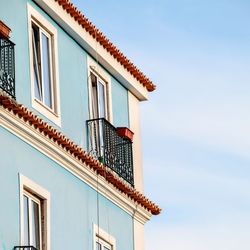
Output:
x,y
93,48
27,185
102,236
46,146
95,68
138,235
134,125
52,114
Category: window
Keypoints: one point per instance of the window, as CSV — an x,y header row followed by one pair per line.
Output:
x,y
44,66
102,245
99,109
99,83
103,240
99,92
99,97
34,215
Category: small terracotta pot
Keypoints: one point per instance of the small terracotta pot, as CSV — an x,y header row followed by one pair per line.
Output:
x,y
4,30
125,133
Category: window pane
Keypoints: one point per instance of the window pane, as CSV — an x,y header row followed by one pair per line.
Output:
x,y
98,246
26,220
35,225
105,248
94,96
101,100
36,62
46,71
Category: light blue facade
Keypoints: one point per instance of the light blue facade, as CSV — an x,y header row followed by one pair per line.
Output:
x,y
73,202
120,104
72,59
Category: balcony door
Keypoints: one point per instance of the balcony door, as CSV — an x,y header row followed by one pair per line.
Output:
x,y
98,97
98,111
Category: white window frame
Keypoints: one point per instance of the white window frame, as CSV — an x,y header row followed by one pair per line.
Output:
x,y
103,244
39,202
50,31
96,69
33,190
104,238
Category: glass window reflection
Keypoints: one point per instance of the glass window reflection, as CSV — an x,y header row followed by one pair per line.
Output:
x,y
31,221
26,219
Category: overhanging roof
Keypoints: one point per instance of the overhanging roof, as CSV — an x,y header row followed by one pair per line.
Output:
x,y
95,42
77,152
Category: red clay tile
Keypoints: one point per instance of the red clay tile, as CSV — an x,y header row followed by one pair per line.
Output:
x,y
76,151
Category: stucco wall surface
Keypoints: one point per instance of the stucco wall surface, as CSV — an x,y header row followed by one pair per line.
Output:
x,y
73,74
73,203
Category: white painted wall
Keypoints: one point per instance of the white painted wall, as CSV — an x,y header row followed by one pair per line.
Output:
x,y
134,120
138,235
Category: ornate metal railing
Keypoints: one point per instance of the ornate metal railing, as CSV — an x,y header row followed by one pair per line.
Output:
x,y
109,148
25,248
7,67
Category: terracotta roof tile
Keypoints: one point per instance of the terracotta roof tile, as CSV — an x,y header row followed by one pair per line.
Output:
x,y
76,151
105,42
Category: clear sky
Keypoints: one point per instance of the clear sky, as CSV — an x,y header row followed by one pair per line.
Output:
x,y
196,125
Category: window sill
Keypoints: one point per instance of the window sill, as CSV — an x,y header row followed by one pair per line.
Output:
x,y
47,112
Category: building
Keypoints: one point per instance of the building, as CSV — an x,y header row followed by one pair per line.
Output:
x,y
71,169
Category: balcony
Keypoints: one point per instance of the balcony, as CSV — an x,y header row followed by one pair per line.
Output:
x,y
112,150
25,248
7,67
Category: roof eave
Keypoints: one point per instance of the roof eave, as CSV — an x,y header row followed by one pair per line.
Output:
x,y
77,152
95,49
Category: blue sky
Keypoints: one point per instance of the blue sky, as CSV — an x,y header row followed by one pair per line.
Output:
x,y
196,125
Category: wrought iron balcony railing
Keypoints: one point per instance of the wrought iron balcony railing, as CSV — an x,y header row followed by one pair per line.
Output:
x,y
7,67
109,148
25,248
